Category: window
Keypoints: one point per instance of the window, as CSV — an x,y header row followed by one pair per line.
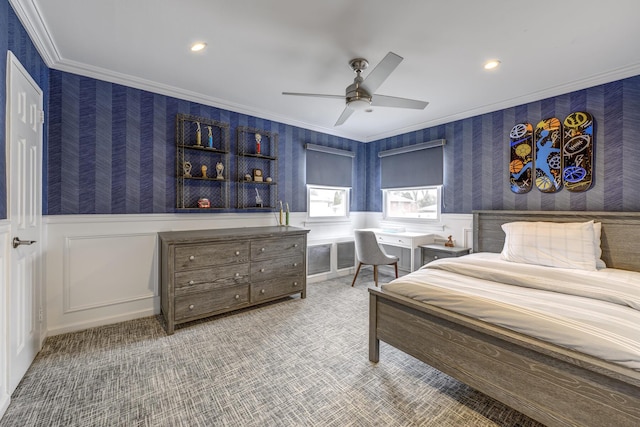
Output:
x,y
411,179
412,203
327,202
329,172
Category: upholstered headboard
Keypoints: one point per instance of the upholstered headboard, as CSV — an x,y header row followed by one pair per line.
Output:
x,y
620,240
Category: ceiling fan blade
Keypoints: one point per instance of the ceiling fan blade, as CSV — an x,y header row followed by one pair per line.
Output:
x,y
392,101
315,95
344,116
379,74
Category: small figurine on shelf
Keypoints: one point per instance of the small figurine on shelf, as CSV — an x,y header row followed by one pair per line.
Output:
x,y
287,214
186,169
219,170
204,171
198,135
210,137
258,140
449,243
258,199
204,203
247,177
281,213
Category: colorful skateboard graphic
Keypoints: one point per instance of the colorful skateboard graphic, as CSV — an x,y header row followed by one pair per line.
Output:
x,y
577,152
548,137
521,164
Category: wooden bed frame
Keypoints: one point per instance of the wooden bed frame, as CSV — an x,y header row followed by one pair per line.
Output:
x,y
551,384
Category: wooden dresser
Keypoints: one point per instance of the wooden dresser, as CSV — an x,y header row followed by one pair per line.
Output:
x,y
207,272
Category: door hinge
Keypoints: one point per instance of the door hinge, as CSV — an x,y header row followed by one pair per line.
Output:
x,y
40,314
42,116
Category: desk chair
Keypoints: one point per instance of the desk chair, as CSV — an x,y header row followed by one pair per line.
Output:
x,y
370,253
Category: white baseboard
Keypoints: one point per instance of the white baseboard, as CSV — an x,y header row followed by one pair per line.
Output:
x,y
5,400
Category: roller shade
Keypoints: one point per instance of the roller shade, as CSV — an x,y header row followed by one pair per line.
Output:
x,y
418,165
327,166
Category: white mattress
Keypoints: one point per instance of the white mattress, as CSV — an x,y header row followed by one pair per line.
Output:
x,y
593,312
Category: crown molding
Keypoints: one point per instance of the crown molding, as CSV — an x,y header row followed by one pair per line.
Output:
x,y
31,19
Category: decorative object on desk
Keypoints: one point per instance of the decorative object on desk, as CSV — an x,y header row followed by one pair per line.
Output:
x,y
578,151
210,136
247,177
258,140
198,135
186,169
204,203
268,179
219,170
287,215
258,199
281,212
449,243
204,171
257,175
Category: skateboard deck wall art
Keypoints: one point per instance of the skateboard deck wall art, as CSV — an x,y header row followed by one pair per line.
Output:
x,y
548,158
521,163
577,172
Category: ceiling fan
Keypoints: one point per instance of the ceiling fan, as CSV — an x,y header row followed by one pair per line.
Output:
x,y
360,95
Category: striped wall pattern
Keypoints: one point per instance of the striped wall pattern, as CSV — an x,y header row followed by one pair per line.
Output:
x,y
477,154
112,149
13,37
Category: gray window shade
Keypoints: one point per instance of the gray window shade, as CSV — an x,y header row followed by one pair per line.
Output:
x,y
414,166
328,166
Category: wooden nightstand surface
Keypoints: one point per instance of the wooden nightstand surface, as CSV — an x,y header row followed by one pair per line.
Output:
x,y
432,252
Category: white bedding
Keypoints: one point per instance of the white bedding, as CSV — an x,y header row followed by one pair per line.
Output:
x,y
594,312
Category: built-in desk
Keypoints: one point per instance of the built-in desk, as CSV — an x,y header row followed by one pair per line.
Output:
x,y
403,240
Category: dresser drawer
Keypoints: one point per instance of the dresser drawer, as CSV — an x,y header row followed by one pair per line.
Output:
x,y
394,240
432,253
223,299
276,248
274,268
206,279
274,288
195,256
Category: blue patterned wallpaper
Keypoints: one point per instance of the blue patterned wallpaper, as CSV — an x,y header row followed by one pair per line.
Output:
x,y
477,154
112,149
13,37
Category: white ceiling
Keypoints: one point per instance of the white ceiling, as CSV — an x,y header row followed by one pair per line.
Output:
x,y
259,48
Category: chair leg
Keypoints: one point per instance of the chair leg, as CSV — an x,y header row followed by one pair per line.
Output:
x,y
357,271
375,274
395,264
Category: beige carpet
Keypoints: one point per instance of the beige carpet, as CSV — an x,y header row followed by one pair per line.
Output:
x,y
293,363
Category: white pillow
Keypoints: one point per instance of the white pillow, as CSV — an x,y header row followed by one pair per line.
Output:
x,y
554,244
597,231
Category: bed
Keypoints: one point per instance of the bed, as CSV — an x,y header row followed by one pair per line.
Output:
x,y
553,384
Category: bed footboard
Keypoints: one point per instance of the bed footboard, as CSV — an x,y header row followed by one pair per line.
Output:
x,y
544,382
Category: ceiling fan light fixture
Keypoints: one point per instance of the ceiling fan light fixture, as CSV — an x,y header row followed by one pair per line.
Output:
x,y
492,64
360,104
197,47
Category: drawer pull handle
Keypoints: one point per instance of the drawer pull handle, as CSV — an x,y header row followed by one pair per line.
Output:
x,y
191,258
295,283
191,307
295,245
237,274
295,264
237,296
262,270
435,257
237,253
191,282
261,249
262,291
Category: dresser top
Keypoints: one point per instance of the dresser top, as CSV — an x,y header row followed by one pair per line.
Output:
x,y
193,236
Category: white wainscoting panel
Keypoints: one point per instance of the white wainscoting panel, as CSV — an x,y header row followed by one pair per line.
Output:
x,y
108,270
5,248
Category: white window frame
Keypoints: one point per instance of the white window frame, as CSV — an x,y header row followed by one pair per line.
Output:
x,y
332,218
387,216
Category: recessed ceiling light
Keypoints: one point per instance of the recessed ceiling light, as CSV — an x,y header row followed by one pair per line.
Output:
x,y
490,65
196,47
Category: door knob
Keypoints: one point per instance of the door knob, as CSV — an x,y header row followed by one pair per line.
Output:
x,y
17,242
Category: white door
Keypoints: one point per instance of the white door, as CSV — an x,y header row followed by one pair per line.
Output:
x,y
24,168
